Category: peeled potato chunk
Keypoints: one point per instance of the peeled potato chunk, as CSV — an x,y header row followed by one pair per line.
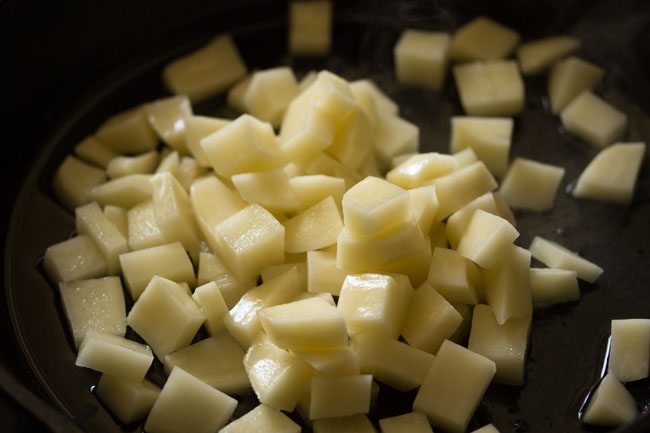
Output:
x,y
315,228
454,277
538,55
143,231
611,404
196,129
91,150
77,258
74,180
339,396
118,216
420,169
486,238
167,117
310,28
569,78
489,138
412,422
553,286
531,185
358,423
91,221
556,256
421,58
394,136
483,39
454,386
353,139
383,103
322,273
487,429
269,93
593,119
262,419
315,188
611,175
128,132
213,269
126,191
424,206
629,358
128,400
458,221
125,165
337,361
210,300
270,189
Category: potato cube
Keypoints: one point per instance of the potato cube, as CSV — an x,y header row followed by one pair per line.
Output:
x,y
421,168
307,80
465,157
114,355
553,286
91,221
394,136
269,93
483,39
629,357
454,277
383,103
506,344
375,301
531,185
489,138
269,188
126,191
315,228
74,259
94,304
412,422
213,269
91,150
74,180
487,429
593,119
424,206
262,419
421,58
325,164
118,216
556,256
322,273
486,238
339,396
353,139
187,404
454,386
458,221
310,28
462,332
491,88
337,361
210,300
236,93
167,117
611,405
128,132
128,400
206,71
538,55
313,189
217,361
612,174
358,423
569,78
332,95
143,230
196,129
429,320
298,261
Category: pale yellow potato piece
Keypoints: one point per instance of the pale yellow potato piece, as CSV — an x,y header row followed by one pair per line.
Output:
x,y
421,168
74,180
569,78
465,157
461,187
128,400
507,285
339,396
483,39
556,256
121,166
308,324
553,286
506,344
437,236
196,129
269,272
454,277
243,145
424,206
489,138
91,150
236,93
217,361
429,320
187,404
128,132
210,300
492,88
207,71
612,174
165,316
415,264
458,221
269,188
310,28
242,322
118,216
375,302
374,206
382,102
91,221
189,171
611,405
315,228
531,185
390,361
325,164
593,119
278,377
421,58
143,231
167,117
312,189
367,101
358,423
77,258
629,356
400,159
170,162
337,361
353,139
332,95
125,192
262,419
269,93
94,304
322,273
462,332
487,429
213,269
114,355
249,240
307,80
486,238
540,54
412,422
369,166
394,136
454,386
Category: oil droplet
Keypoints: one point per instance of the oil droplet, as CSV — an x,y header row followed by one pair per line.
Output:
x,y
570,187
92,389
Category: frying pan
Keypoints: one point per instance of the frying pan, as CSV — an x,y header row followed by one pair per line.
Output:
x,y
69,65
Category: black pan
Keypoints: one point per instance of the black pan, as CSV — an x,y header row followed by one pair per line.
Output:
x,y
71,64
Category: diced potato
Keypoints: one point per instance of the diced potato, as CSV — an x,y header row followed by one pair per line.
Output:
x,y
487,429
454,386
483,39
353,139
458,221
74,259
454,277
489,138
322,273
421,58
629,357
129,401
167,117
611,175
421,168
269,93
538,55
213,269
217,361
94,304
332,95
269,272
262,419
114,355
310,28
143,231
307,80
165,316
325,164
383,103
269,188
531,185
121,166
206,71
358,423
91,150
611,404
569,78
437,235
429,320
553,286
461,334
593,119
125,192
390,361
313,189
415,264
505,344
375,301
210,300
170,163
128,132
394,136
187,404
196,129
118,216
339,396
315,228
74,180
412,422
486,238
91,221
490,88
236,93
465,157
366,99
424,206
337,361
556,256
189,171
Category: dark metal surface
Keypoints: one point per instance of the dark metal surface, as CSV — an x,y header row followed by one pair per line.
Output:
x,y
107,57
